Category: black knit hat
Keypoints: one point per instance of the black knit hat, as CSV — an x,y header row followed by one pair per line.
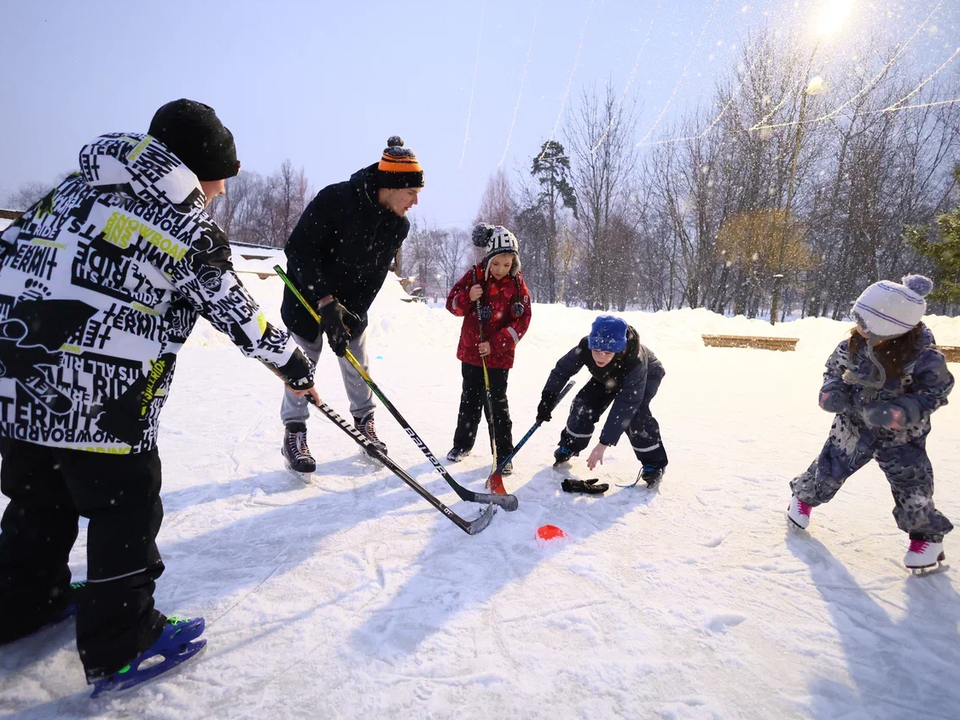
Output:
x,y
193,132
398,167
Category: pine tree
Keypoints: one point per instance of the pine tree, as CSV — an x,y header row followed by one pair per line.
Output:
x,y
943,249
551,168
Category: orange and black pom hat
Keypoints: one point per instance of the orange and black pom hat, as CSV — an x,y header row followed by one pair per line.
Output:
x,y
398,166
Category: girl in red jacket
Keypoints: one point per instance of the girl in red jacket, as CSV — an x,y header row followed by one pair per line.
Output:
x,y
497,286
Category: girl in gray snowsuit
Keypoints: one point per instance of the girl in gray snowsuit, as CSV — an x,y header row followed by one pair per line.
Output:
x,y
883,383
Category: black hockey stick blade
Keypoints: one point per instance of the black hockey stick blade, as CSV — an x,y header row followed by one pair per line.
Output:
x,y
471,527
566,388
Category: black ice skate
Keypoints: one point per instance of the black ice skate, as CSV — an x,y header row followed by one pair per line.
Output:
x,y
561,455
367,428
651,476
296,452
457,454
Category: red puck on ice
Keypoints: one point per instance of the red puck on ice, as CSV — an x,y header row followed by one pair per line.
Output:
x,y
548,534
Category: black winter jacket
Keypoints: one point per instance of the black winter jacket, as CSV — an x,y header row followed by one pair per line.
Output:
x,y
342,246
627,375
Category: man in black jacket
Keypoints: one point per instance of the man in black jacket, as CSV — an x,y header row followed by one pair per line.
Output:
x,y
625,373
338,256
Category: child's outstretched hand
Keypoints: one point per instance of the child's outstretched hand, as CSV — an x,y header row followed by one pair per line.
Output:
x,y
596,456
475,293
483,348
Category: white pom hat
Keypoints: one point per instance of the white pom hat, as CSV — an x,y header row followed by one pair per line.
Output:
x,y
887,309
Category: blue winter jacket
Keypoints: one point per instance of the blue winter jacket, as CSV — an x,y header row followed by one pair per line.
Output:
x,y
921,389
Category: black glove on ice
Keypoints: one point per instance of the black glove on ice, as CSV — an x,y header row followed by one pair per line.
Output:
x,y
336,322
548,401
589,487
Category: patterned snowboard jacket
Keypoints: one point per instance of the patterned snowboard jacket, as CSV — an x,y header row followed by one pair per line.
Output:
x,y
101,282
923,388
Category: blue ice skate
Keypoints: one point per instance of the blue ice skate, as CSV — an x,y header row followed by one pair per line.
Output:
x,y
174,646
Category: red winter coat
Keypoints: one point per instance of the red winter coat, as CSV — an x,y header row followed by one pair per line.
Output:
x,y
503,330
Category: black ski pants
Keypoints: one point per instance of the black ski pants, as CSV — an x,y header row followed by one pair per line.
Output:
x,y
643,430
49,489
473,400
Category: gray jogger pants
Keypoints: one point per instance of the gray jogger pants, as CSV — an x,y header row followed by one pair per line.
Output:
x,y
294,409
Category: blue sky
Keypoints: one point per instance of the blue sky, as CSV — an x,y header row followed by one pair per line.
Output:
x,y
325,83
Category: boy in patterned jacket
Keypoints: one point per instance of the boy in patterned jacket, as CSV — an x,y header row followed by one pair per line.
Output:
x,y
101,283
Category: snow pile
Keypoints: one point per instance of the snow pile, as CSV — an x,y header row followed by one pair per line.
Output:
x,y
351,597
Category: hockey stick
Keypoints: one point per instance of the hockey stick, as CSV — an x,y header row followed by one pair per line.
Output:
x,y
471,527
495,480
491,425
507,502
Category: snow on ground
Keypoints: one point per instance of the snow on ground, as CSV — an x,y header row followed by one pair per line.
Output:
x,y
351,597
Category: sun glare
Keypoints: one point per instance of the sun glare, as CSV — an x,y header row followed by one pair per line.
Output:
x,y
832,16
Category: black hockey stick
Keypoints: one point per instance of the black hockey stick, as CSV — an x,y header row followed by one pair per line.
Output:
x,y
496,479
471,527
507,502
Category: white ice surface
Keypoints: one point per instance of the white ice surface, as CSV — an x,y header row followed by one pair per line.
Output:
x,y
353,598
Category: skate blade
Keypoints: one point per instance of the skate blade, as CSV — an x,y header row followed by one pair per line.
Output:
x,y
371,460
793,524
304,477
931,569
167,668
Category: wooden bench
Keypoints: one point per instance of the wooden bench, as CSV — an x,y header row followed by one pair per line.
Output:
x,y
950,352
261,275
783,344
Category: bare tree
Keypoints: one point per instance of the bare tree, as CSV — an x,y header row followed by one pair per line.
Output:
x,y
497,206
451,255
600,135
29,194
259,210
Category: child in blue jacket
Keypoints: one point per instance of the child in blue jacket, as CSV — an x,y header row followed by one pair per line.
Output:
x,y
625,373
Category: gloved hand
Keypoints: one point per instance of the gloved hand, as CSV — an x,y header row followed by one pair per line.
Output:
x,y
885,415
589,487
548,401
337,322
835,401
